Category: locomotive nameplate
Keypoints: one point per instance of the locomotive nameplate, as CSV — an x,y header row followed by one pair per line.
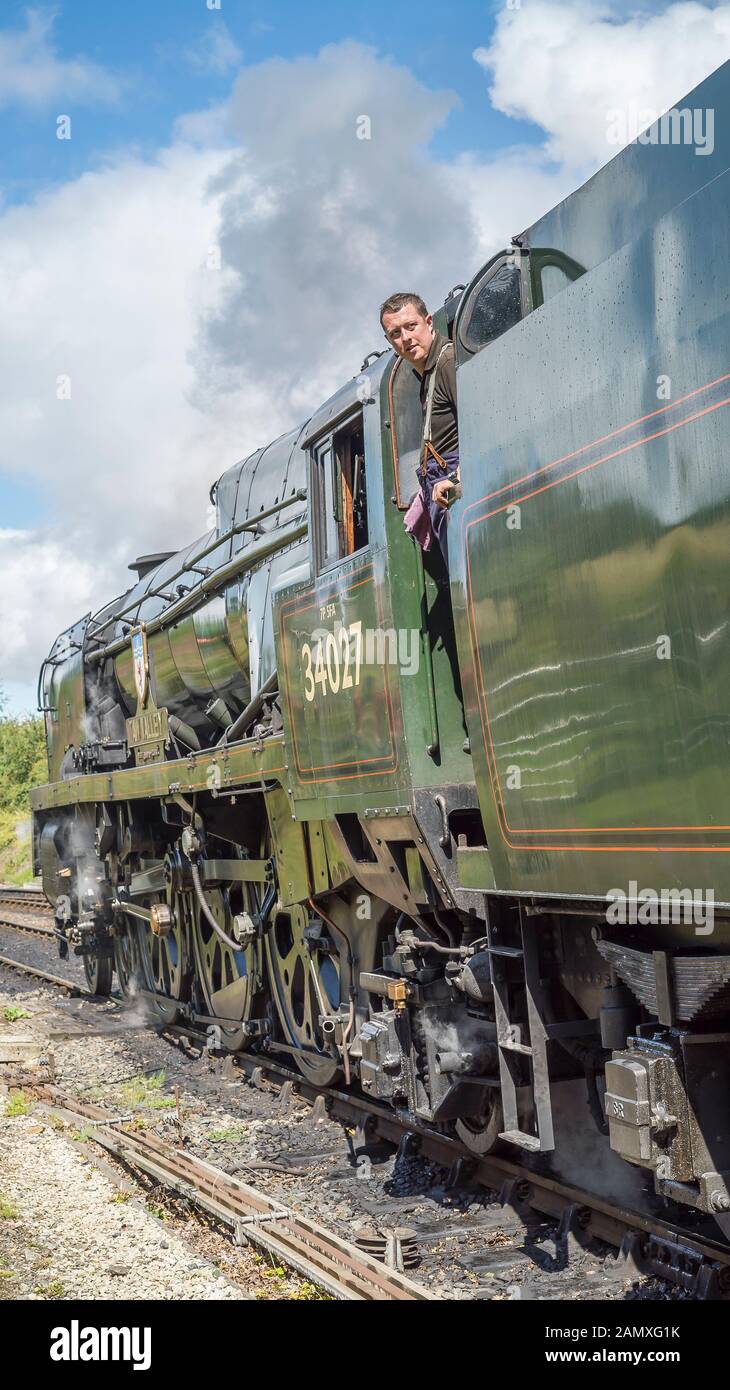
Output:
x,y
147,734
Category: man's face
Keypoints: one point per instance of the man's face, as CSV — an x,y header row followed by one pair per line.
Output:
x,y
409,334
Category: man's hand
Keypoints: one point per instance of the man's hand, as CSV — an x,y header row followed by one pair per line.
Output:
x,y
441,490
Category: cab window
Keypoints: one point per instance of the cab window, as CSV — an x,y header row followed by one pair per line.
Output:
x,y
492,306
339,493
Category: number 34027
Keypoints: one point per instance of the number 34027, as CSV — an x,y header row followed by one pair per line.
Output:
x,y
334,662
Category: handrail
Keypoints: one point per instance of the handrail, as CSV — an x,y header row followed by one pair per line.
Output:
x,y
433,747
245,560
251,525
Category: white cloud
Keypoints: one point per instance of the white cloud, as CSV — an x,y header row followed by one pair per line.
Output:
x,y
48,580
103,281
217,51
319,225
564,66
33,75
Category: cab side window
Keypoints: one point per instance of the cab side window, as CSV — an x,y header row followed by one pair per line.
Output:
x,y
339,493
493,305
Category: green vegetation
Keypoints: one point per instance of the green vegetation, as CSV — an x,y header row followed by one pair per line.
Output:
x,y
17,1104
309,1293
226,1136
8,1211
144,1091
12,1013
22,766
53,1290
284,1287
159,1212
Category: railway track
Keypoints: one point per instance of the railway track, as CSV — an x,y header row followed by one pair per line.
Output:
x,y
647,1246
26,899
27,928
319,1254
70,988
24,927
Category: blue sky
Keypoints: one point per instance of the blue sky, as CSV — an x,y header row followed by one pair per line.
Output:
x,y
148,45
204,258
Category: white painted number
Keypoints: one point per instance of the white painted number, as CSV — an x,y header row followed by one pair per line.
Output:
x,y
329,664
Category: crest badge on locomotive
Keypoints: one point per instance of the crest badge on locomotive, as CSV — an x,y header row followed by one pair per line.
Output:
x,y
140,664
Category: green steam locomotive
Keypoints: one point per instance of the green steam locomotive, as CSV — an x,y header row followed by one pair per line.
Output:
x,y
456,840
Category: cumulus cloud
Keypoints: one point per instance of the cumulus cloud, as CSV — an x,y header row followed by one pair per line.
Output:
x,y
566,66
103,281
32,73
330,202
50,579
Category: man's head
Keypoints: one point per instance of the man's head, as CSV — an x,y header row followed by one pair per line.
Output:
x,y
408,326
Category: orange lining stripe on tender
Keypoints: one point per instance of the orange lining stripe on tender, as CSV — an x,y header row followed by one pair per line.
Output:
x,y
602,439
388,757
481,688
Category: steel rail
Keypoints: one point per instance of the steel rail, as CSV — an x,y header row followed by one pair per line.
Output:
x,y
76,991
28,929
518,1185
314,1251
25,898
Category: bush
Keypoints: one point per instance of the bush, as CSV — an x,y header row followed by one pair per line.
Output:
x,y
22,765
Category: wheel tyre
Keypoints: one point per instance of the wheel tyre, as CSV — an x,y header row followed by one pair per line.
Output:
x,y
481,1136
99,971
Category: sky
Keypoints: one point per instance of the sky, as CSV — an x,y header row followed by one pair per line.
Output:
x,y
195,236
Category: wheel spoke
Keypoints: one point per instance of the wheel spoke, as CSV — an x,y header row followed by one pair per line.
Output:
x,y
304,984
228,979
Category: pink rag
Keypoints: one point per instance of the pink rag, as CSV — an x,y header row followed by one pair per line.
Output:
x,y
417,522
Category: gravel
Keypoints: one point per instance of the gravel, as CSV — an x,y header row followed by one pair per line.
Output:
x,y
73,1237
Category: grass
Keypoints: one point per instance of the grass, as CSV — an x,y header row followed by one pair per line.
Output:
x,y
18,1104
53,1290
12,1013
143,1092
226,1136
8,1211
82,1135
159,1212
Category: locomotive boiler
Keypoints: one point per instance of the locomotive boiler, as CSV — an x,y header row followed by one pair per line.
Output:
x,y
460,841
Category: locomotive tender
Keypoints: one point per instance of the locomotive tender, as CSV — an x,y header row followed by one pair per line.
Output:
x,y
334,805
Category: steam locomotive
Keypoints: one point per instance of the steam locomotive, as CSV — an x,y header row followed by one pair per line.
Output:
x,y
457,840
